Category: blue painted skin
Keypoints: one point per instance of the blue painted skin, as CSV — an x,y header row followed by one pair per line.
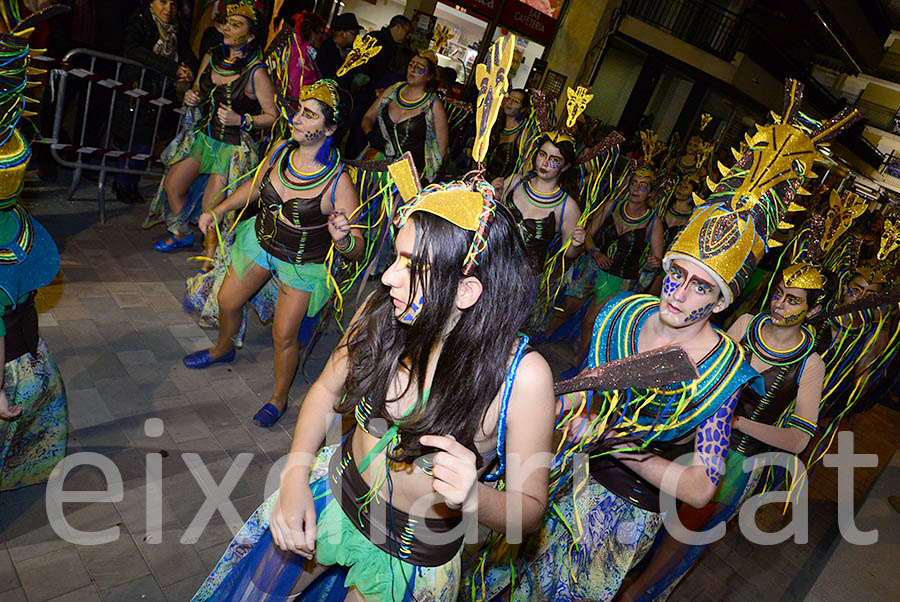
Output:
x,y
712,440
699,314
669,287
314,135
409,316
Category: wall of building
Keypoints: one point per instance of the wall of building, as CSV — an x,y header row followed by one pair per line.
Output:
x,y
374,16
614,82
574,35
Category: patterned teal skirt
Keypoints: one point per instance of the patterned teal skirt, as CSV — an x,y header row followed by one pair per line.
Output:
x,y
32,444
548,565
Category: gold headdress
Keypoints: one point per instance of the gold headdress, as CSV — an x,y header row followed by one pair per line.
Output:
x,y
843,209
493,85
364,48
803,275
728,234
651,146
243,8
874,274
577,101
890,239
441,36
326,92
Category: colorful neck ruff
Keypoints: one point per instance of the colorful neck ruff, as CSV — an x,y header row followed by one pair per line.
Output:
x,y
409,106
775,357
539,199
632,221
676,213
306,180
513,130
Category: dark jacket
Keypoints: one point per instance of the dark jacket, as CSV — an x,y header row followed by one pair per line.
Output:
x,y
140,37
329,58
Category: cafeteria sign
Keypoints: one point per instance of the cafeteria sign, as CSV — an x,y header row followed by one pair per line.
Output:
x,y
520,17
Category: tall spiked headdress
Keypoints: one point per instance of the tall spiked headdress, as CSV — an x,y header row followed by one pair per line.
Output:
x,y
729,233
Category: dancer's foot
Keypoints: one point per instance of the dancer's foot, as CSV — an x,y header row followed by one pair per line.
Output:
x,y
270,413
8,412
202,359
170,243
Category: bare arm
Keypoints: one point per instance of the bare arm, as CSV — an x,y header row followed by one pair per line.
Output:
x,y
441,128
529,440
569,228
809,393
368,120
346,200
657,244
697,483
265,94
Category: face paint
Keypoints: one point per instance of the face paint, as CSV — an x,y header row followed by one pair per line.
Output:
x,y
669,286
795,318
555,163
699,313
241,39
417,70
409,316
314,135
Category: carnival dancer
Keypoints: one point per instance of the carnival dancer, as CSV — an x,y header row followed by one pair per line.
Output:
x,y
780,347
232,97
33,406
507,136
409,116
591,539
617,242
691,162
675,216
306,198
460,281
544,202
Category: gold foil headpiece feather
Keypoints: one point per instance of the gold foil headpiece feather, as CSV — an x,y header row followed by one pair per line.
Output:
x,y
364,48
493,85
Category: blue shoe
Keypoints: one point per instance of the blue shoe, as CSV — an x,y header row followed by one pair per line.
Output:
x,y
269,415
201,359
177,243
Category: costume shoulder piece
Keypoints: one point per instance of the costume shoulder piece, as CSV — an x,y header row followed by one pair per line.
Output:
x,y
670,412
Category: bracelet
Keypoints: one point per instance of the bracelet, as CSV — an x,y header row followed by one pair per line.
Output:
x,y
349,247
246,122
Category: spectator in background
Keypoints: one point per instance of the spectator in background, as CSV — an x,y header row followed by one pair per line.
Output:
x,y
155,38
371,76
333,51
302,67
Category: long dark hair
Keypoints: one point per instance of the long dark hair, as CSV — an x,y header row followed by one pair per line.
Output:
x,y
568,180
476,352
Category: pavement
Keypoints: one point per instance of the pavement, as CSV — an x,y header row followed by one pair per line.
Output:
x,y
114,324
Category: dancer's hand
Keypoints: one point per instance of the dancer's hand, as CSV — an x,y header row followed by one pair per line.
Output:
x,y
191,98
603,261
653,262
227,116
8,412
207,221
339,226
293,520
184,74
578,236
455,474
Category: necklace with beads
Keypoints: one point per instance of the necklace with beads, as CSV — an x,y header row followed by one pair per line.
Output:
x,y
632,221
541,200
513,130
775,357
409,106
307,180
675,213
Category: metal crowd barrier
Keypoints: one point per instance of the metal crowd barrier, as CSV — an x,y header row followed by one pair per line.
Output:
x,y
109,79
